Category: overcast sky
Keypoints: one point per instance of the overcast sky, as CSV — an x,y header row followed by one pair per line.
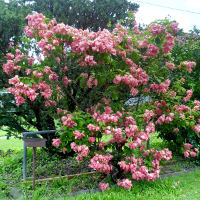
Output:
x,y
148,13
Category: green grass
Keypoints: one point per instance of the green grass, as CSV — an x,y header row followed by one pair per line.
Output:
x,y
183,187
11,143
2,133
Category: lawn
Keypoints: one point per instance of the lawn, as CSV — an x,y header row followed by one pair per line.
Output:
x,y
186,186
11,143
2,133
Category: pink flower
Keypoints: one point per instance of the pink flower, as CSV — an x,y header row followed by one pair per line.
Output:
x,y
187,146
91,139
126,183
78,135
10,56
186,153
85,75
57,60
104,186
101,163
14,80
64,150
28,71
193,154
152,50
142,44
170,65
176,130
117,79
92,127
56,142
174,27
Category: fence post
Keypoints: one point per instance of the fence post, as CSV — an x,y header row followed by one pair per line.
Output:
x,y
148,144
24,161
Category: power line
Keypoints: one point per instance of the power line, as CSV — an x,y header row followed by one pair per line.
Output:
x,y
161,6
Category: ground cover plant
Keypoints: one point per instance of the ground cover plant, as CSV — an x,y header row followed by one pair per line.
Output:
x,y
107,67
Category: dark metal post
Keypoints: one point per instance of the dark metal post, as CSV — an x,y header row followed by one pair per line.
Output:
x,y
24,161
34,159
148,144
25,135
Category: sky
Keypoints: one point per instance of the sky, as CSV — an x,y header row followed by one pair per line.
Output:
x,y
148,13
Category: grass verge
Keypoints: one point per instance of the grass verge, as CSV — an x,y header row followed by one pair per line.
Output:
x,y
11,144
177,188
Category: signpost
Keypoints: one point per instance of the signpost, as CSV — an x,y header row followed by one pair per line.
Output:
x,y
34,142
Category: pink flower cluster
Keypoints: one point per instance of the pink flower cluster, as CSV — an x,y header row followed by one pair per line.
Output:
x,y
93,128
169,44
189,95
163,154
133,80
78,135
152,50
148,115
150,128
45,89
157,29
125,183
142,172
49,103
189,65
189,151
163,119
131,130
196,128
138,140
10,67
174,27
170,65
143,44
104,186
82,149
106,117
92,82
67,121
66,81
180,108
20,90
101,163
56,142
129,164
160,88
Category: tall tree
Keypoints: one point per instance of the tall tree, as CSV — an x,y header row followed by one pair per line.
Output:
x,y
12,20
84,14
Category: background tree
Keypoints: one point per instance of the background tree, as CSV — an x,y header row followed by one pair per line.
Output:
x,y
12,20
85,14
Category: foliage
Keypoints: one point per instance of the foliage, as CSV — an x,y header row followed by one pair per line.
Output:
x,y
103,65
12,20
86,14
187,47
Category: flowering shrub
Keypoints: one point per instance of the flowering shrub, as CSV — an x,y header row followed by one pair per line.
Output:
x,y
103,69
187,47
